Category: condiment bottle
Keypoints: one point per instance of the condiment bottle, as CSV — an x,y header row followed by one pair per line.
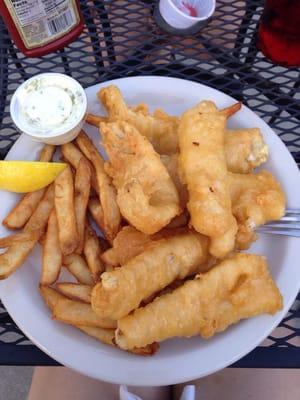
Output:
x,y
39,27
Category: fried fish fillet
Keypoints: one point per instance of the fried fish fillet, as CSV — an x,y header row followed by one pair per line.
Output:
x,y
146,194
161,132
130,242
245,150
239,287
256,199
171,163
202,167
122,290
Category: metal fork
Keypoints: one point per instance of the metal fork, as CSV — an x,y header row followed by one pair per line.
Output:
x,y
289,225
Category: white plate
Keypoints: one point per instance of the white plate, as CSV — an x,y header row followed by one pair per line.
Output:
x,y
178,360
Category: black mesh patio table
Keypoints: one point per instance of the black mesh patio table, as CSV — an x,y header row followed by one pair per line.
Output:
x,y
122,39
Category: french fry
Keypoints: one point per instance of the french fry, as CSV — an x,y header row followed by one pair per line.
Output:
x,y
20,214
73,155
78,313
15,255
19,237
47,152
22,211
107,192
82,193
92,252
50,296
96,212
52,256
78,268
40,216
95,120
65,212
42,239
103,335
76,291
107,336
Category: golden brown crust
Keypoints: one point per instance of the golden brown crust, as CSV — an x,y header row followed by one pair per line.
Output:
x,y
107,192
202,166
166,260
256,199
146,194
65,211
239,287
245,150
160,131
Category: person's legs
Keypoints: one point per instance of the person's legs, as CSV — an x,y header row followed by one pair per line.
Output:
x,y
62,383
254,384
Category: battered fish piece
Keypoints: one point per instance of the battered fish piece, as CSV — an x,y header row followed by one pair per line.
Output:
x,y
202,167
146,194
161,132
122,290
171,163
245,150
239,287
130,242
256,199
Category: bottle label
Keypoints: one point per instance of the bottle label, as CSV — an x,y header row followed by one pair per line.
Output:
x,y
42,21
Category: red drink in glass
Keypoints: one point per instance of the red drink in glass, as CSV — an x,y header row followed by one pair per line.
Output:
x,y
279,32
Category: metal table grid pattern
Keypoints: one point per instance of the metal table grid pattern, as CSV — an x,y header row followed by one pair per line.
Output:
x,y
121,39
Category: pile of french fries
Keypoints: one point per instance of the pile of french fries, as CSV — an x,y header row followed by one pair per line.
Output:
x,y
139,269
61,218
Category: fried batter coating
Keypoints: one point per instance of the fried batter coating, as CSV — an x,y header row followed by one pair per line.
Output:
x,y
128,243
203,169
161,132
122,290
245,150
256,199
146,194
239,287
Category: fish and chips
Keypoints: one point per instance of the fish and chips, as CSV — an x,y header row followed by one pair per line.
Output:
x,y
151,238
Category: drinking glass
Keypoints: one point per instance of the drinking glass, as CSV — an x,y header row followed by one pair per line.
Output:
x,y
279,32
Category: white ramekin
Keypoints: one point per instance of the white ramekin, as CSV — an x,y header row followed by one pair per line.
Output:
x,y
60,136
178,19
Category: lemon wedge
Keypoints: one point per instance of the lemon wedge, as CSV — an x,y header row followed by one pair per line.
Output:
x,y
28,176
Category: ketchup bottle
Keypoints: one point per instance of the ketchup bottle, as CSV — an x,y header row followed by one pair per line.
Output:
x,y
39,27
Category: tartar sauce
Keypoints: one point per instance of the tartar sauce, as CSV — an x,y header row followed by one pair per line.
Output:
x,y
50,103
